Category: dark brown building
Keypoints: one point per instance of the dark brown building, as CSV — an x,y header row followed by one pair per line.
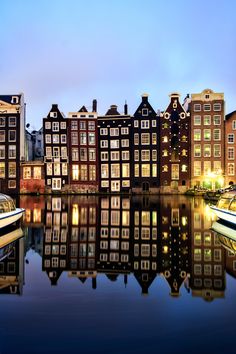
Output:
x,y
175,147
55,150
230,148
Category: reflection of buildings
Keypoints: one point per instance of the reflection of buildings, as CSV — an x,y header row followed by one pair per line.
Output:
x,y
12,270
175,241
146,236
82,238
145,241
55,237
114,236
208,277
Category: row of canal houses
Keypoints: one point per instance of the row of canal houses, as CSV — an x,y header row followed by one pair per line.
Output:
x,y
186,145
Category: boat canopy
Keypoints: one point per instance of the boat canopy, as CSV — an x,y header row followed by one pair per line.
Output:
x,y
227,201
6,203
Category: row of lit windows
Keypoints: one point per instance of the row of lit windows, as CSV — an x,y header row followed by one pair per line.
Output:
x,y
145,170
114,245
83,154
84,173
183,139
115,170
11,152
207,120
114,232
197,107
197,134
115,203
174,154
114,257
11,170
82,216
114,144
205,239
197,170
32,172
55,126
11,121
207,150
207,269
117,218
57,169
145,139
83,125
145,250
115,155
115,185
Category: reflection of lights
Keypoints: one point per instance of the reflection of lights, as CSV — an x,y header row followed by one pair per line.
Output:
x,y
184,220
165,249
75,214
37,215
209,212
27,215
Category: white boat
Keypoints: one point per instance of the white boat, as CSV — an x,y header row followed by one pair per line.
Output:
x,y
7,240
226,233
225,208
8,212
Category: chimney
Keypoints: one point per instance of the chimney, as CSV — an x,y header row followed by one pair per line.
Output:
x,y
94,105
125,109
144,97
54,106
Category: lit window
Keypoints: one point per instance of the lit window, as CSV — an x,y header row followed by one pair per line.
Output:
x,y
12,170
207,120
145,170
114,131
207,134
125,170
2,169
104,171
197,168
145,155
145,138
207,150
75,173
217,120
37,172
115,170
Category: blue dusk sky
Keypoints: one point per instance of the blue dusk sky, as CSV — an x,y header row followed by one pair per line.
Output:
x,y
72,51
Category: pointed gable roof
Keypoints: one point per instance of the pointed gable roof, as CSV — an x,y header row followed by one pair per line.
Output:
x,y
229,115
144,104
55,109
83,109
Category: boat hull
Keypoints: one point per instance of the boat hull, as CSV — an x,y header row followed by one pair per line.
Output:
x,y
11,217
224,214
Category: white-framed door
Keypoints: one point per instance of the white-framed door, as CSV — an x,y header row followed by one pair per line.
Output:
x,y
56,183
115,186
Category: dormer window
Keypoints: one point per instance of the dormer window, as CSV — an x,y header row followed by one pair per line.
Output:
x,y
53,114
14,99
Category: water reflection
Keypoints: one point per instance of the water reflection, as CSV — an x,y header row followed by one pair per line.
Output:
x,y
144,237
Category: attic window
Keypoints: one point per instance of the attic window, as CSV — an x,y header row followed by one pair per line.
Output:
x,y
53,114
15,99
144,112
207,97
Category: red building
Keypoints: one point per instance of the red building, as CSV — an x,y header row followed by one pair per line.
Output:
x,y
83,150
32,177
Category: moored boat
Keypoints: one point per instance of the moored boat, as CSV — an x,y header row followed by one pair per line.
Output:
x,y
226,233
8,211
225,208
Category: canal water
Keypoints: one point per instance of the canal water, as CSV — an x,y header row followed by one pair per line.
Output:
x,y
117,275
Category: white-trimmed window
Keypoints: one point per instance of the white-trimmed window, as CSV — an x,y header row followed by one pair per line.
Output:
x,y
55,126
217,107
91,125
115,170
217,150
125,170
197,150
83,138
207,107
197,168
145,170
207,150
144,112
136,155
64,152
125,131
2,121
197,120
154,155
63,138
75,154
125,142
104,143
48,138
207,134
207,120
231,153
63,125
217,134
48,151
145,139
47,125
12,135
136,123
74,125
104,171
197,134
154,123
12,121
217,120
114,144
136,139
125,155
114,131
103,131
82,125
231,169
154,138
55,138
145,155
115,156
2,152
12,151
144,124
231,138
197,107
104,156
